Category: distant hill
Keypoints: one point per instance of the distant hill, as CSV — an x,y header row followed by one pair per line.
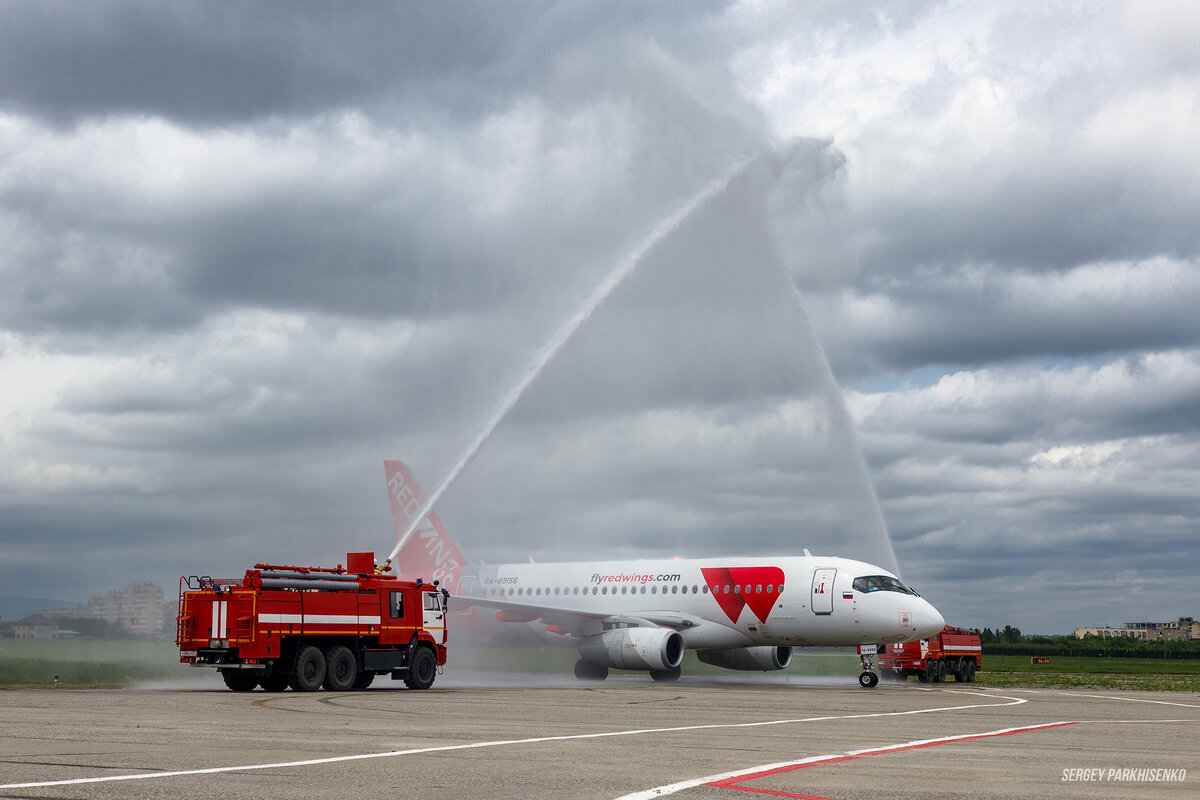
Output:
x,y
16,608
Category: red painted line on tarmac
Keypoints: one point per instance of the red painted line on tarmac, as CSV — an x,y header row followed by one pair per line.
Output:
x,y
731,783
736,781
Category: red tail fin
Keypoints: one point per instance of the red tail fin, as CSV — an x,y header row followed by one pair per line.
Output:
x,y
429,553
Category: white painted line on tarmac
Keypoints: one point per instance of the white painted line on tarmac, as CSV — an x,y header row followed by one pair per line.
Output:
x,y
750,773
728,779
1111,697
499,743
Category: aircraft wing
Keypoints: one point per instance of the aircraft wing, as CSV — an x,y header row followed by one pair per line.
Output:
x,y
577,622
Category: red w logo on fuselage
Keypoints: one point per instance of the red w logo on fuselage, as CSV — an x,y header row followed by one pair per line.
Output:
x,y
737,587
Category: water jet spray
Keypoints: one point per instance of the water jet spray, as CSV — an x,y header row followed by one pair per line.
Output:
x,y
615,277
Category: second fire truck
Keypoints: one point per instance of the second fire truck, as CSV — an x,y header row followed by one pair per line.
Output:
x,y
954,651
312,627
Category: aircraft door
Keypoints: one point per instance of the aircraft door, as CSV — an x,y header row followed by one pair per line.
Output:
x,y
822,590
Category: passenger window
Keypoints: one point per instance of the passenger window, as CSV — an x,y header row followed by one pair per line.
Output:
x,y
396,605
433,602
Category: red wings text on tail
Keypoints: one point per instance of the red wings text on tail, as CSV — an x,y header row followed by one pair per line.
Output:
x,y
429,553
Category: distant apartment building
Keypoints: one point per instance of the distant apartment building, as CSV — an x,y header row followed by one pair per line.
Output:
x,y
36,626
170,614
1182,629
138,607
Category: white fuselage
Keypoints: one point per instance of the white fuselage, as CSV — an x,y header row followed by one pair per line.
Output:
x,y
713,603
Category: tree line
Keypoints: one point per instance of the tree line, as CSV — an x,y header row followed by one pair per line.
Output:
x,y
1009,641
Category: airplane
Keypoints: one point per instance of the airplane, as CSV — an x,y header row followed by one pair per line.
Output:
x,y
737,612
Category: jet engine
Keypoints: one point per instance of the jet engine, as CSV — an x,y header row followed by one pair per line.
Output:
x,y
753,659
634,648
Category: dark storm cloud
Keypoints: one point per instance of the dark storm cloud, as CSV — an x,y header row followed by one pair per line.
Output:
x,y
1040,469
226,61
1155,396
353,212
971,315
219,62
1050,214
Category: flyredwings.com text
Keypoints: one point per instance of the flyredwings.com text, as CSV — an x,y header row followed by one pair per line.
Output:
x,y
634,578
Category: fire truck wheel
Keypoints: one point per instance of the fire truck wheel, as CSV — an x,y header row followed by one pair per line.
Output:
x,y
939,671
340,669
310,670
275,683
239,680
868,679
926,675
422,670
970,672
363,679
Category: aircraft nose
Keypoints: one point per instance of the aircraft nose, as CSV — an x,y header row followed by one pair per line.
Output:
x,y
928,620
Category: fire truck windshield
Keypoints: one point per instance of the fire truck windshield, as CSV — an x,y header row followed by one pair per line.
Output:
x,y
881,583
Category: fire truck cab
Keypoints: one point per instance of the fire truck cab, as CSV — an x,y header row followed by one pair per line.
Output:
x,y
312,627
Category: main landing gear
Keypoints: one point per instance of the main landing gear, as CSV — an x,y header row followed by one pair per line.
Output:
x,y
867,679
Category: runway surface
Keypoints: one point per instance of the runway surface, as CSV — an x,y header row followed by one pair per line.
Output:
x,y
514,737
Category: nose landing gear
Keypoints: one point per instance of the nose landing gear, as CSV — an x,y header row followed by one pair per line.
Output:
x,y
868,678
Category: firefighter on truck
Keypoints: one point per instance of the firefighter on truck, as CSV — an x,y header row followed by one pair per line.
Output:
x,y
308,627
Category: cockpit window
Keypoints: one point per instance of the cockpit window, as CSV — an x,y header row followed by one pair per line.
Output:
x,y
881,583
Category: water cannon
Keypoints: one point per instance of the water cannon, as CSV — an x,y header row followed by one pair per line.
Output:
x,y
386,566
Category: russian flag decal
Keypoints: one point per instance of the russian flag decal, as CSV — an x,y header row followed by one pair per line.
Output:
x,y
847,595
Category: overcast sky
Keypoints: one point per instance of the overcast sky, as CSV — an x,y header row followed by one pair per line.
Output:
x,y
947,257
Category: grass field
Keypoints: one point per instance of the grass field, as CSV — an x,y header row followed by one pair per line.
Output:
x,y
33,663
1067,672
106,664
1090,666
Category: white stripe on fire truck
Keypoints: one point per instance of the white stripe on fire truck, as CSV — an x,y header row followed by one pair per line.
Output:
x,y
317,619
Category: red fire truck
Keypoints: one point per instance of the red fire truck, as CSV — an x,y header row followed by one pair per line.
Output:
x,y
308,627
954,651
